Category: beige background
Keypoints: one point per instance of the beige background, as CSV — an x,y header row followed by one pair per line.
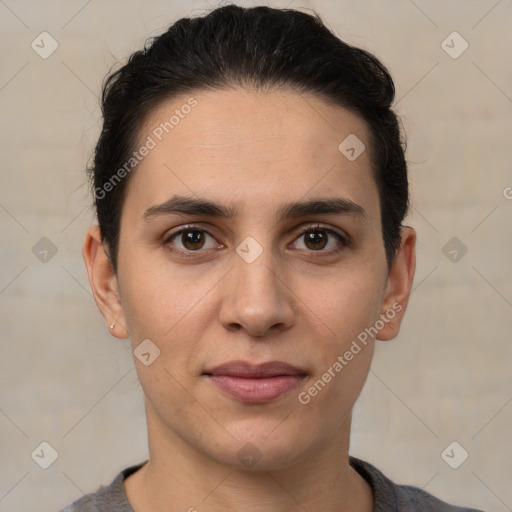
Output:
x,y
447,377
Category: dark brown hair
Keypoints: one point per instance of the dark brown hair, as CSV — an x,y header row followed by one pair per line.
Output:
x,y
257,47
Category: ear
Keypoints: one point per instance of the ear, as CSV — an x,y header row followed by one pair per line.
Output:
x,y
103,282
398,289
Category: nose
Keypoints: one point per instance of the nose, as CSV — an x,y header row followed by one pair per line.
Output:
x,y
256,299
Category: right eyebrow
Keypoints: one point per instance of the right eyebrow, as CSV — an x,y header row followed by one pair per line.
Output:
x,y
180,205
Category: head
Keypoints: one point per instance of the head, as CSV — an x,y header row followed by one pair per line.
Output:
x,y
250,187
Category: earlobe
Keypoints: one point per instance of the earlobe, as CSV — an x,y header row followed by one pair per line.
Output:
x,y
398,290
103,282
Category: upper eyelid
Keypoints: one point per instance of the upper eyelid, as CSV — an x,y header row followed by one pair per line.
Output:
x,y
188,227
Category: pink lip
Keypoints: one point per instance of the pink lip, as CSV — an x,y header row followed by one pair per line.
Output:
x,y
255,383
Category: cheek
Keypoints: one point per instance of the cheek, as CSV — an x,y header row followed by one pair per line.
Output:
x,y
344,350
174,308
342,309
344,303
157,297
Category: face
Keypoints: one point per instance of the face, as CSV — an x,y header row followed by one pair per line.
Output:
x,y
250,242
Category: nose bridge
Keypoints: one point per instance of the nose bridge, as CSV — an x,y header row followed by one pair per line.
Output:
x,y
257,277
255,297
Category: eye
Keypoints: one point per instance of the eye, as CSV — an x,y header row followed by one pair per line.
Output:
x,y
320,239
191,239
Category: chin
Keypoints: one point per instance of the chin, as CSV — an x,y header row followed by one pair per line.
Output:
x,y
261,447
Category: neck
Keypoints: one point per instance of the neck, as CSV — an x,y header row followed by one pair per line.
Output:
x,y
179,478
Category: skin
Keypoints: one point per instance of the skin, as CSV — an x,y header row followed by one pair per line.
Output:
x,y
298,302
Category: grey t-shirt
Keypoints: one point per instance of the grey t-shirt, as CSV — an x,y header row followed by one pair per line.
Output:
x,y
387,496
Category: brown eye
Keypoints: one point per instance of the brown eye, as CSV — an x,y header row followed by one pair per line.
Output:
x,y
316,240
191,239
320,239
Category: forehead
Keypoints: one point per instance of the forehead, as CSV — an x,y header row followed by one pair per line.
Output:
x,y
248,145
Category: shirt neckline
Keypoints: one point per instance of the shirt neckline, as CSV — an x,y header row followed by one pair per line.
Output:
x,y
380,485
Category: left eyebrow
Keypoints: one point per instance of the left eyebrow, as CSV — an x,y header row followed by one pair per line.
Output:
x,y
337,206
181,205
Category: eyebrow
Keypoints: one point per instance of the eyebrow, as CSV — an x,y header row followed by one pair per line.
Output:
x,y
181,205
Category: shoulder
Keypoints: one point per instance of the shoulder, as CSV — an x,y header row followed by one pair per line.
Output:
x,y
390,497
108,498
413,498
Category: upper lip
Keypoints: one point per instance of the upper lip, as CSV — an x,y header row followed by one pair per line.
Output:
x,y
248,370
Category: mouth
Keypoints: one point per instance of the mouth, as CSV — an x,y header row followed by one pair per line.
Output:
x,y
255,383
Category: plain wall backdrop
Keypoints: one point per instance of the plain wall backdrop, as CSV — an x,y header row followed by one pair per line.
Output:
x,y
447,377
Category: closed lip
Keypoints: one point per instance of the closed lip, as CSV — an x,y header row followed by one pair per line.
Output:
x,y
245,369
255,383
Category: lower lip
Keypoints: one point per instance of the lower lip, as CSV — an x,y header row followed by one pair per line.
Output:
x,y
256,390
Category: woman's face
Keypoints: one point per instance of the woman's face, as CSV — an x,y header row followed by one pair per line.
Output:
x,y
259,274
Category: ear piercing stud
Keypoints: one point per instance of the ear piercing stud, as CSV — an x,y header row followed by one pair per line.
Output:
x,y
112,326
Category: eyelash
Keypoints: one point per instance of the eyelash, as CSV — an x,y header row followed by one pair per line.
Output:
x,y
342,238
